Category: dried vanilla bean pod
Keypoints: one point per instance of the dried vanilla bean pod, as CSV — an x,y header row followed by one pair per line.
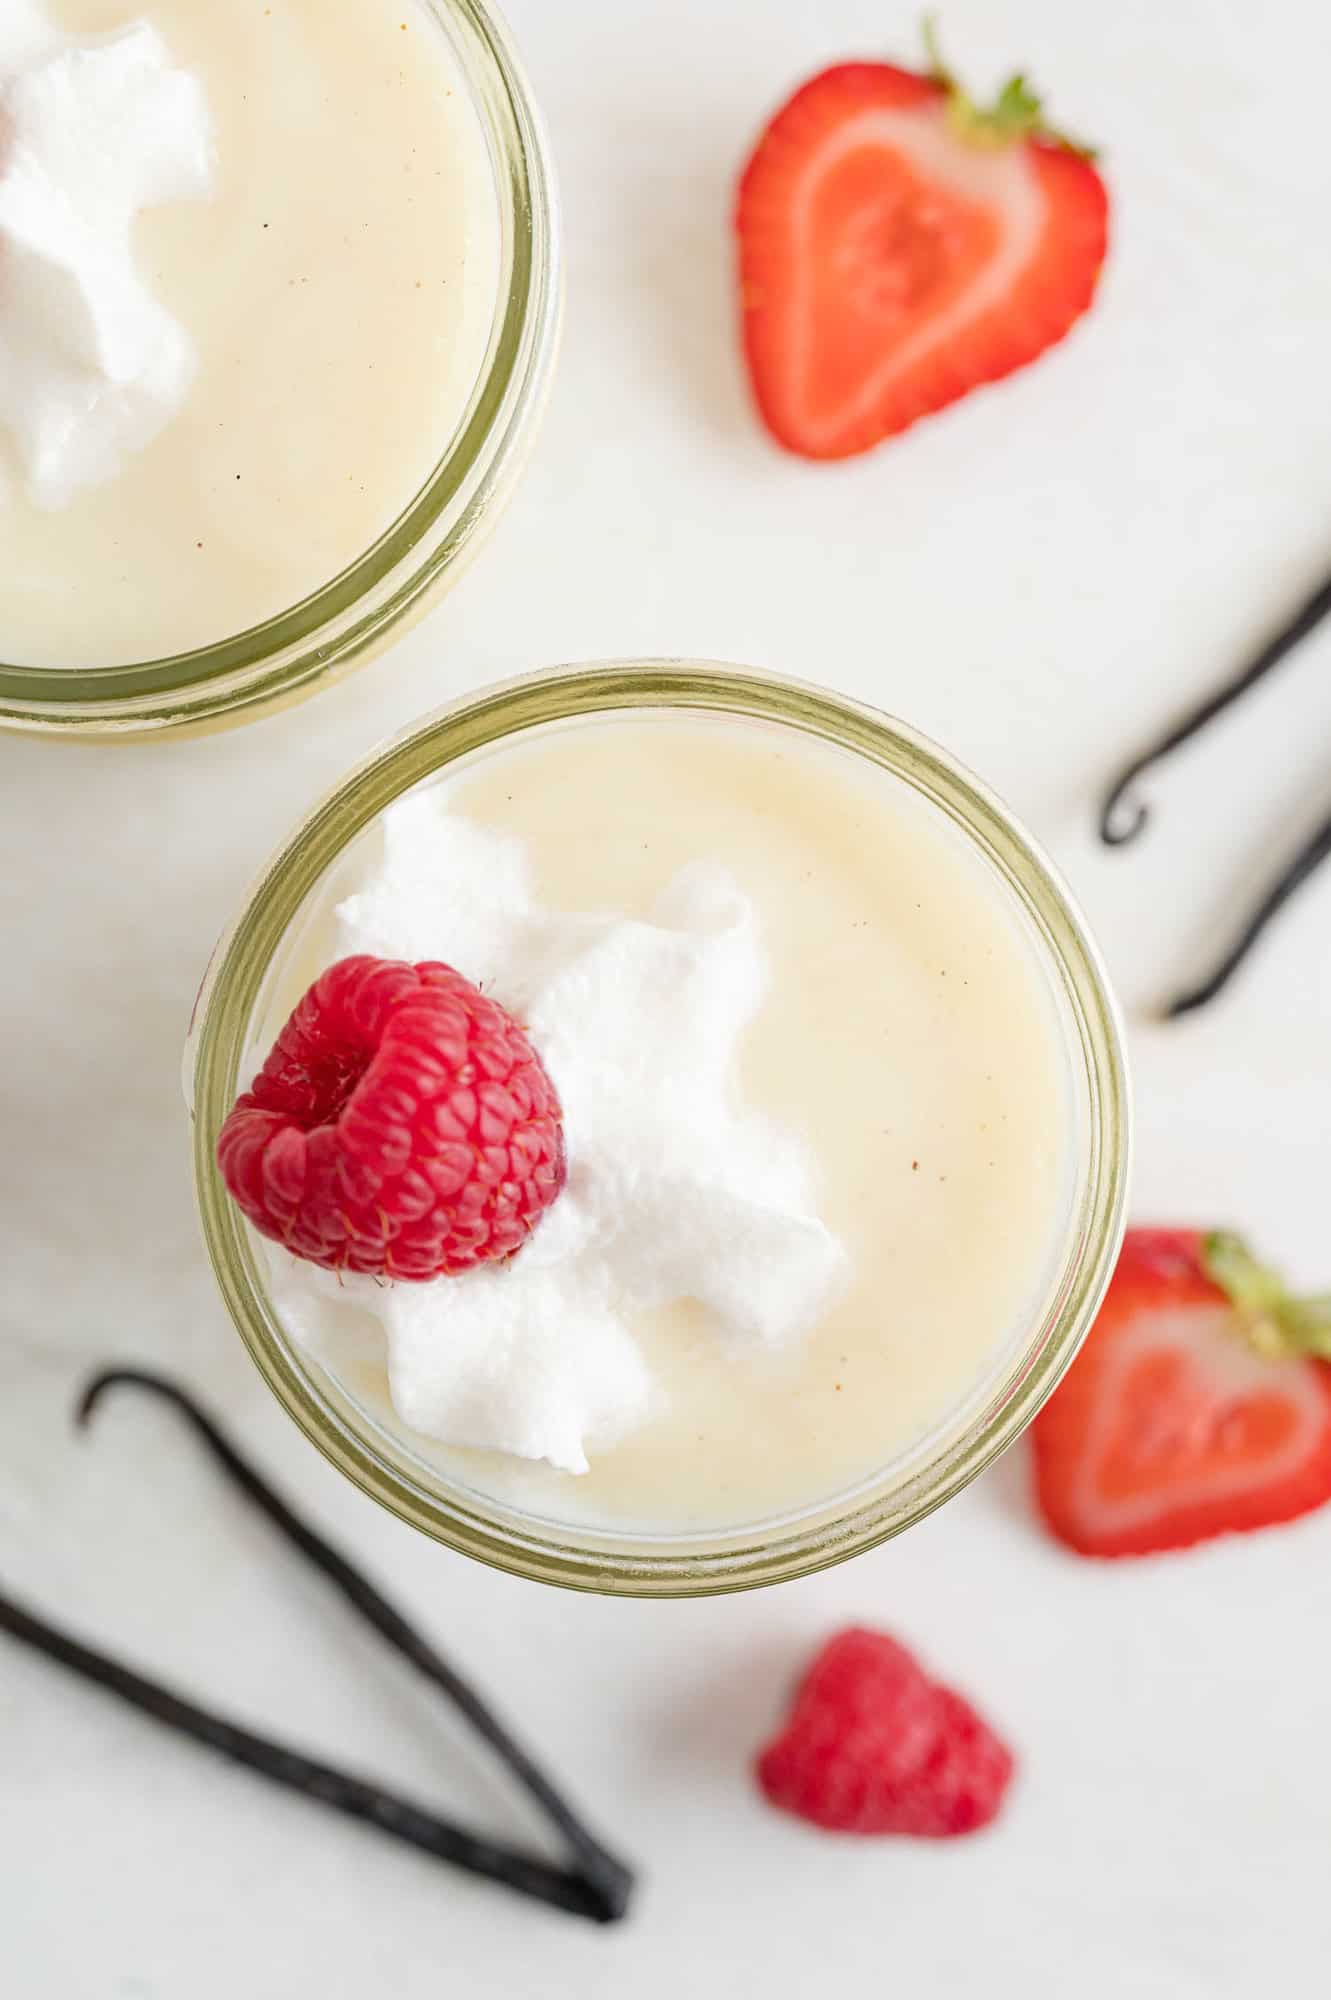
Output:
x,y
598,1886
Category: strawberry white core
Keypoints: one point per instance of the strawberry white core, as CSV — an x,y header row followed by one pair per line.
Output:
x,y
1000,178
1222,1370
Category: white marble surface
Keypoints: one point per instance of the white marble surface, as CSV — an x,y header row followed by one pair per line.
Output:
x,y
1037,578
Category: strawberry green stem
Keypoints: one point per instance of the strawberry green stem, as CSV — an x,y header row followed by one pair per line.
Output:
x,y
1016,114
1274,1321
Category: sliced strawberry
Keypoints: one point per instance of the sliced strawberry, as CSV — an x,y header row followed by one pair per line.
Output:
x,y
1197,1406
898,247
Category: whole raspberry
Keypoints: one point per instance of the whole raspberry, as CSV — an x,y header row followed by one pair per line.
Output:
x,y
872,1745
403,1125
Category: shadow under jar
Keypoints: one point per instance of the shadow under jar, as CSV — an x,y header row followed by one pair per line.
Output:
x,y
936,1028
372,290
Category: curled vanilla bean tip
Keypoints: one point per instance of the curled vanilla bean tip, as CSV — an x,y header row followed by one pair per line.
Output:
x,y
597,1885
1121,817
1116,832
109,1378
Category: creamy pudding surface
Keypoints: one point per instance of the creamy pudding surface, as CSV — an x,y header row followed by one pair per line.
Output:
x,y
337,282
905,1053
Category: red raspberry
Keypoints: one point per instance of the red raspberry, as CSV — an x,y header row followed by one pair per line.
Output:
x,y
403,1125
872,1745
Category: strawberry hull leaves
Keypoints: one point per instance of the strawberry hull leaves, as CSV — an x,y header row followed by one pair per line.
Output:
x,y
1270,1317
1016,113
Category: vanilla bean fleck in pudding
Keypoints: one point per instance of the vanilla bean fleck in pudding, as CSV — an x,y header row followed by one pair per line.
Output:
x,y
235,354
823,1141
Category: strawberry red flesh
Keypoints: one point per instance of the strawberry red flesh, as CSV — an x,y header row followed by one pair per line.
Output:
x,y
889,264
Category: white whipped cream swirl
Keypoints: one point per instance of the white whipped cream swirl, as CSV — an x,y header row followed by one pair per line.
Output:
x,y
676,1189
92,365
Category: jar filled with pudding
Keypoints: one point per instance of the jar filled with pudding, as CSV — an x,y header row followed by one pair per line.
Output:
x,y
658,1128
266,377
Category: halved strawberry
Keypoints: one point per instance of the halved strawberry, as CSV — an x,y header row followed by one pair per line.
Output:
x,y
899,246
1197,1406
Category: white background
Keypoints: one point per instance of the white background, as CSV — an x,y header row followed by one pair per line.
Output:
x,y
1038,578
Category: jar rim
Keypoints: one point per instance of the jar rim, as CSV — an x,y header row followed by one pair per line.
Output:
x,y
914,1483
284,657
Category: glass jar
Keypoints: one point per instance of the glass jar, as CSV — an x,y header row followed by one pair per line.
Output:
x,y
221,1052
354,615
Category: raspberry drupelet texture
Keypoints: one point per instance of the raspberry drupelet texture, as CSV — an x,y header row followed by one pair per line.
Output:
x,y
873,1745
402,1126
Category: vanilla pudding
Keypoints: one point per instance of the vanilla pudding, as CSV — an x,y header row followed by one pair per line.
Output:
x,y
302,307
909,1051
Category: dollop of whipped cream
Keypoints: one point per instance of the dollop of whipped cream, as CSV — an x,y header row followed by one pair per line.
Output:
x,y
676,1189
91,364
